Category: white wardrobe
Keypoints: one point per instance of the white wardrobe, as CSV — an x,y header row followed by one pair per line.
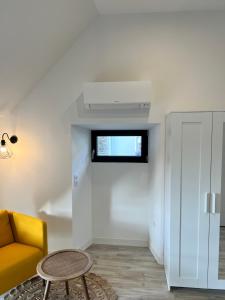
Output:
x,y
195,200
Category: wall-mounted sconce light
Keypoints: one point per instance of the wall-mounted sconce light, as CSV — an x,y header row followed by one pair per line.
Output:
x,y
5,151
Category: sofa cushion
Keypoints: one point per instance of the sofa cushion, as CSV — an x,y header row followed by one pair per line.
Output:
x,y
18,262
28,230
6,235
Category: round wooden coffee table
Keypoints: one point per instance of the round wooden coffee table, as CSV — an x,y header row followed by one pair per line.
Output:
x,y
64,265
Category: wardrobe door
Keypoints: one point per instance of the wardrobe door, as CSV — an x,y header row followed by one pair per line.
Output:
x,y
216,279
190,183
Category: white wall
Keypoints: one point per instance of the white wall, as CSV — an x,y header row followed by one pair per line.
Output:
x,y
82,197
167,195
155,203
110,200
182,53
34,35
184,56
39,174
120,200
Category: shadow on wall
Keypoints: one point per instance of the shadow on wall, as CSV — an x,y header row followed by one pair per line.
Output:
x,y
40,170
120,199
38,174
54,230
85,113
82,204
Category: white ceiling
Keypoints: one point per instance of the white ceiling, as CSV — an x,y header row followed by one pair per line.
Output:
x,y
148,6
34,34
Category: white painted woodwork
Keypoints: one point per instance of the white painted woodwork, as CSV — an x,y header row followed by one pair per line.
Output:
x,y
190,179
194,193
222,215
218,197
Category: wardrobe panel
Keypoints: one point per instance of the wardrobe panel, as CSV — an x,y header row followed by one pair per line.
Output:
x,y
222,215
216,277
190,199
190,183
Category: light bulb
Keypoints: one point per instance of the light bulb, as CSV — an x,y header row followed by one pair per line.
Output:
x,y
5,152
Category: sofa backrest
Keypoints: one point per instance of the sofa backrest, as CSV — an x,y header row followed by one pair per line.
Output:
x,y
6,234
28,230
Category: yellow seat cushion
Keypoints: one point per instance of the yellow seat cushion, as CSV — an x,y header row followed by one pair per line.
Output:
x,y
6,235
17,263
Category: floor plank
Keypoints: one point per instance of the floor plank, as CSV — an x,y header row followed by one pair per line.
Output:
x,y
134,274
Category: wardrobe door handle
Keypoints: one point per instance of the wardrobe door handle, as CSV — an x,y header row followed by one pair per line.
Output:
x,y
215,203
218,203
207,201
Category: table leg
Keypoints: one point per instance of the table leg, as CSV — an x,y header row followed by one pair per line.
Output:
x,y
47,289
85,287
67,288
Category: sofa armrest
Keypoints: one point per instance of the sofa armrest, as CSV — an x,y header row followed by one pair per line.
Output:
x,y
29,230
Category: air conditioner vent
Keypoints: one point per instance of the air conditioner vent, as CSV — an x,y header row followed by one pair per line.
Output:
x,y
117,95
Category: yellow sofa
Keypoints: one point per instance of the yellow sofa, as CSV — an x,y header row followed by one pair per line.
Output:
x,y
23,242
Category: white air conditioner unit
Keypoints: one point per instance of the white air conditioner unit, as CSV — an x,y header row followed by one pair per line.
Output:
x,y
117,95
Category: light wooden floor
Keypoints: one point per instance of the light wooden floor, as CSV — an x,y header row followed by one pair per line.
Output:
x,y
134,274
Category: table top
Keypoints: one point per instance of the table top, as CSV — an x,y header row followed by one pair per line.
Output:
x,y
64,265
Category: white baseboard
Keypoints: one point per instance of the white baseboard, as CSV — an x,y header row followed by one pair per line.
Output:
x,y
86,245
121,242
157,258
167,281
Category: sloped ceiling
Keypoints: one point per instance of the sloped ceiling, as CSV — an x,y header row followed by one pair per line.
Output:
x,y
33,36
148,6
